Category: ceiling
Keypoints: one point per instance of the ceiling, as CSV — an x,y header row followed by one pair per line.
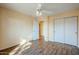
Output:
x,y
49,8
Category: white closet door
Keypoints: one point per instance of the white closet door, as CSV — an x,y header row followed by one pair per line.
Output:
x,y
71,30
59,30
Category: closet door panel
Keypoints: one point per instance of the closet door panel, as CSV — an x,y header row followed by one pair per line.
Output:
x,y
59,30
71,30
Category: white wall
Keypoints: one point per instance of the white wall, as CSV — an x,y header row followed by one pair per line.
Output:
x,y
14,27
45,30
51,29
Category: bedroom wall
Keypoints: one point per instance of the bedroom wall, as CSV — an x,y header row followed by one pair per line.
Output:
x,y
14,27
45,28
61,15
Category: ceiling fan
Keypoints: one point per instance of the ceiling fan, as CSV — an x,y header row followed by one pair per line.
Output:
x,y
40,11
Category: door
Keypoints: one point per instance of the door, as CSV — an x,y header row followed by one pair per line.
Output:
x,y
71,30
35,29
59,30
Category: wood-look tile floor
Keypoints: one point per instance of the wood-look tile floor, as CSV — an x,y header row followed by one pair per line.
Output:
x,y
8,50
52,48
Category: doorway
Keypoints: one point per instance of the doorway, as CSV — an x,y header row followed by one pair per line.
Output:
x,y
41,36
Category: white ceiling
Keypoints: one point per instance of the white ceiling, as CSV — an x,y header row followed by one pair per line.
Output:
x,y
50,8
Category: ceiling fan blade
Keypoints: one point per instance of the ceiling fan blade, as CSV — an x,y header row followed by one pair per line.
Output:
x,y
47,12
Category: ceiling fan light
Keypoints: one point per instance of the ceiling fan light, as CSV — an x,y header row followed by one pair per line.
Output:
x,y
40,14
37,13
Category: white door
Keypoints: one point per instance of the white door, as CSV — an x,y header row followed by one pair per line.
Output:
x,y
59,30
71,30
35,29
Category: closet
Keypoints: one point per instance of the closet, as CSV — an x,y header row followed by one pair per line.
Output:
x,y
65,30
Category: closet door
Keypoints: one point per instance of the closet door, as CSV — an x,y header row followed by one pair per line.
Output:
x,y
71,30
59,30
